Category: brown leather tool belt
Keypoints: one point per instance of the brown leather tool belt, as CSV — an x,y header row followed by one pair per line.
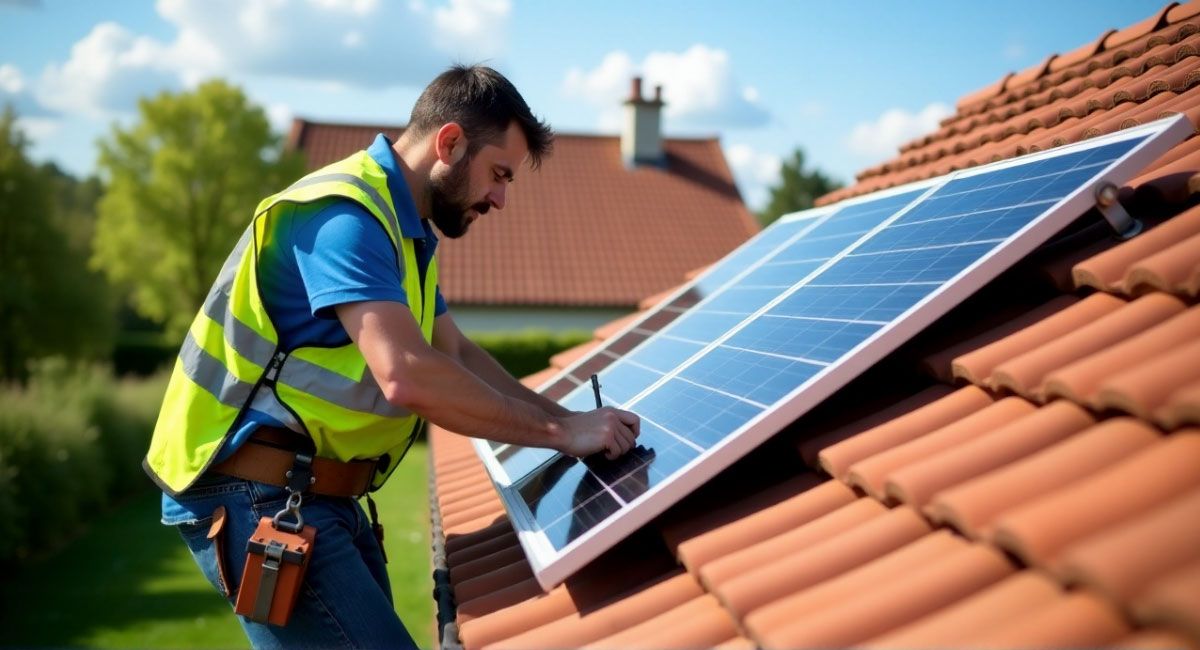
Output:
x,y
270,454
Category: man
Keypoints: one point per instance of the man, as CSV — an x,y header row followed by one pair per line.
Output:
x,y
323,344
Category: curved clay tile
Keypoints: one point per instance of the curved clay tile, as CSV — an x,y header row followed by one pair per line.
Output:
x,y
1154,639
973,101
1138,29
493,580
485,564
1147,386
1080,54
573,354
1172,269
1183,407
916,484
1172,601
1079,381
779,577
871,473
490,509
1183,11
522,628
938,364
811,447
1168,184
482,549
755,554
1040,531
698,623
1108,268
1024,374
853,584
764,524
683,523
838,458
1013,598
977,366
889,605
1021,80
501,598
1122,563
972,506
1078,620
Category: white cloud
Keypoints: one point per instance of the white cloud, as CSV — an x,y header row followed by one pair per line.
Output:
x,y
383,44
15,92
882,138
279,115
108,70
699,87
755,172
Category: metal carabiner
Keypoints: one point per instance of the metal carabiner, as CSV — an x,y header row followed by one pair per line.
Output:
x,y
292,507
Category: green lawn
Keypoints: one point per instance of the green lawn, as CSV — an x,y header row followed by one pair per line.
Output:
x,y
129,582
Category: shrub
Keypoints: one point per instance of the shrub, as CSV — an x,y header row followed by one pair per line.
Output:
x,y
70,442
526,352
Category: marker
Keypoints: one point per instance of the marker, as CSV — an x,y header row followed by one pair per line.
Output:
x,y
596,390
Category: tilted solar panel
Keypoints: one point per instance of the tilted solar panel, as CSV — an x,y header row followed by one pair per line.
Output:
x,y
854,283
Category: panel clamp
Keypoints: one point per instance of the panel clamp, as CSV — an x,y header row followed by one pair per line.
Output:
x,y
1109,204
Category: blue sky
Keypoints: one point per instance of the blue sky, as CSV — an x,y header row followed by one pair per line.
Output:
x,y
845,81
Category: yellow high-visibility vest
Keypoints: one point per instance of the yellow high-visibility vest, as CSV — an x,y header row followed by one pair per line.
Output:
x,y
232,351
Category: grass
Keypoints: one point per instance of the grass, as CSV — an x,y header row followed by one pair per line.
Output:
x,y
129,582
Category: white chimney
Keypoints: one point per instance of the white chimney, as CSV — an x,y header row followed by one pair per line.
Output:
x,y
641,139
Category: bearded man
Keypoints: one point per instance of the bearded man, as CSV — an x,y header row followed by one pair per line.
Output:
x,y
320,350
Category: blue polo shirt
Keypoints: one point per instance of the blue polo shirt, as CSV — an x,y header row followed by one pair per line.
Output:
x,y
328,253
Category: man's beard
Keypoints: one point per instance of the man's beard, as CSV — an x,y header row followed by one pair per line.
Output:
x,y
450,201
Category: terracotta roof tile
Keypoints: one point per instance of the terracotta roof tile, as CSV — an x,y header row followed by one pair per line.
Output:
x,y
916,483
1079,620
1146,387
1094,508
1172,601
1039,531
871,473
554,243
1012,598
1124,562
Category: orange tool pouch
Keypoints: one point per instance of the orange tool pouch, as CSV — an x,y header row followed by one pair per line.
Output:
x,y
276,561
216,534
277,555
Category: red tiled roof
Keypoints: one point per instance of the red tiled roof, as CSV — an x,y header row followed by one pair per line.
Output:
x,y
583,230
1026,473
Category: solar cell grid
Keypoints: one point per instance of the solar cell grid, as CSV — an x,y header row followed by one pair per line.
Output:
x,y
787,331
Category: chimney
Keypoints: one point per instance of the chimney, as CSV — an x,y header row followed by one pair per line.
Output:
x,y
641,139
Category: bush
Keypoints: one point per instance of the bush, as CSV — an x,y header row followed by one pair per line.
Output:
x,y
70,442
524,353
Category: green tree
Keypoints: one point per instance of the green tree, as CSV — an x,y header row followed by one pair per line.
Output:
x,y
798,188
182,184
50,303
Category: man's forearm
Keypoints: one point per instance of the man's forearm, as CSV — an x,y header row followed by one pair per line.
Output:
x,y
478,361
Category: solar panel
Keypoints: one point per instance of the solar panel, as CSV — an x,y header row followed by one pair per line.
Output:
x,y
852,284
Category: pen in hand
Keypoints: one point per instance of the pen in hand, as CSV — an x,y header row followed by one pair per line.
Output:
x,y
596,390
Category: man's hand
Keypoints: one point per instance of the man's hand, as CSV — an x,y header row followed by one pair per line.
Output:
x,y
607,430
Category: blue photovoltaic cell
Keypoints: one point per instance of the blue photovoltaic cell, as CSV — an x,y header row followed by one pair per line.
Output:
x,y
798,312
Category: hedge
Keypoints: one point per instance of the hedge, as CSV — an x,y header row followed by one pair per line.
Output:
x,y
524,353
71,441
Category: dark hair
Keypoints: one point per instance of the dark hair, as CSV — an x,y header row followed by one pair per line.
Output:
x,y
483,102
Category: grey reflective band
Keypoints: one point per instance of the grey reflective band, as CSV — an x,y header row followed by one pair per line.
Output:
x,y
363,396
248,343
338,177
210,374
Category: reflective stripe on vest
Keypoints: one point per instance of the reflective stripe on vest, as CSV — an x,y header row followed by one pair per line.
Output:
x,y
232,342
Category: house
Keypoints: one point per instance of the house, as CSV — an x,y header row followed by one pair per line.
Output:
x,y
604,223
1023,473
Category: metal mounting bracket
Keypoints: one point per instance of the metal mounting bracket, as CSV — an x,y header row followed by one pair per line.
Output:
x,y
1109,205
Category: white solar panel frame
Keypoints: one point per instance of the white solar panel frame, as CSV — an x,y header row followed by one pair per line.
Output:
x,y
552,566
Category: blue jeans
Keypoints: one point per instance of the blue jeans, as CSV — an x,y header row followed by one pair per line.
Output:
x,y
346,601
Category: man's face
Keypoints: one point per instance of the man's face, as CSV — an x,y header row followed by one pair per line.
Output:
x,y
460,193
